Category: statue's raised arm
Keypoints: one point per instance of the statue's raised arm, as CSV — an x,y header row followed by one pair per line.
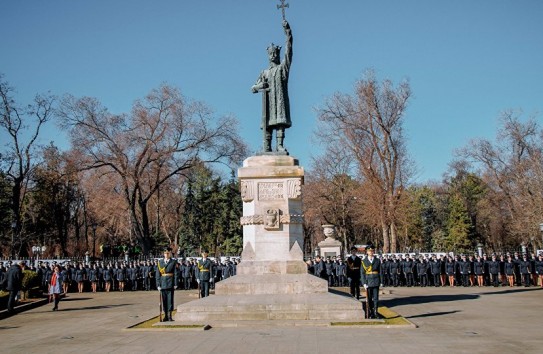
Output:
x,y
288,45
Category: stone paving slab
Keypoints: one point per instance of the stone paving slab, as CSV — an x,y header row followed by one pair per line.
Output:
x,y
450,320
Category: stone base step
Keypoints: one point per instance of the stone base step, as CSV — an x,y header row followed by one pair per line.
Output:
x,y
283,307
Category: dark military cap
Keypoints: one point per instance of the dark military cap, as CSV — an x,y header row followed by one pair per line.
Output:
x,y
370,246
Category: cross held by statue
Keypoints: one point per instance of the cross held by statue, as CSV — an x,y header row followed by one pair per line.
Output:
x,y
283,6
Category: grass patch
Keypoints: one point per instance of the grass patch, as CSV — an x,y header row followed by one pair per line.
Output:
x,y
148,324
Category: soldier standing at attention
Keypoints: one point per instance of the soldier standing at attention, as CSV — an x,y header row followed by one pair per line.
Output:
x,y
494,270
353,273
165,282
539,268
408,266
204,274
371,279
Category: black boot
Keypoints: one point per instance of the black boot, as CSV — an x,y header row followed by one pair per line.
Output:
x,y
375,312
280,139
267,141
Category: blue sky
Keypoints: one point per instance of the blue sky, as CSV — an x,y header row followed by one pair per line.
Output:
x,y
466,60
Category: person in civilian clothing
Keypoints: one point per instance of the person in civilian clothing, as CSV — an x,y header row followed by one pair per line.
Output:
x,y
55,287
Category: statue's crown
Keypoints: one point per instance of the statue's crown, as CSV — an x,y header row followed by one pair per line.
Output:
x,y
273,48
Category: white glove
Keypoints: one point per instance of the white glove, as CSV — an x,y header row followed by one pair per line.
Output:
x,y
198,281
366,286
159,288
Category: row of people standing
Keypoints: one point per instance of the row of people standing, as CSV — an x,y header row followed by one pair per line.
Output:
x,y
121,276
459,270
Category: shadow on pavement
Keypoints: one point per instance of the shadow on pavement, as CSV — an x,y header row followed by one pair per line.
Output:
x,y
432,314
339,292
414,300
76,299
512,291
101,307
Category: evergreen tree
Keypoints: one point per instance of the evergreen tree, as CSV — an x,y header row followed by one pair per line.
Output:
x,y
458,225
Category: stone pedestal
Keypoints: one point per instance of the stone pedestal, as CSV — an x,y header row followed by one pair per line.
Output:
x,y
272,281
330,247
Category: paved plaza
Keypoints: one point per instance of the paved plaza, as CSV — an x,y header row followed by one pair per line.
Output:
x,y
449,320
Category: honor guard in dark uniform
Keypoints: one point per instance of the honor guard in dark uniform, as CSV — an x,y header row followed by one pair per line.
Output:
x,y
394,271
422,271
435,270
371,279
353,273
538,264
165,282
525,270
204,274
408,267
341,272
494,270
465,270
509,271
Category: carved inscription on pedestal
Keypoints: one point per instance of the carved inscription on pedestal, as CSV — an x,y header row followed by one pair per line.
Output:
x,y
271,191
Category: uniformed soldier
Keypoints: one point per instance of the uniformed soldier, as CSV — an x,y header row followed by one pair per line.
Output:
x,y
465,270
525,270
165,282
186,272
407,267
394,271
353,272
371,279
450,269
478,270
539,268
205,267
494,270
435,270
422,271
509,270
341,271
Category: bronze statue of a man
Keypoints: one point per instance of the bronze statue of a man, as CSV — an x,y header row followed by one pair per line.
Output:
x,y
273,83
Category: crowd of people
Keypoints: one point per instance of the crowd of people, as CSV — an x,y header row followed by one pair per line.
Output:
x,y
509,269
122,275
55,278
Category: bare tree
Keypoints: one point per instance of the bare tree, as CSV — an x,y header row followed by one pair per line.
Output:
x,y
23,125
368,126
163,136
331,195
512,166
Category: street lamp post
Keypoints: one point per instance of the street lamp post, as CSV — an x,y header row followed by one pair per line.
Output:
x,y
38,251
13,230
480,249
541,229
317,251
94,226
